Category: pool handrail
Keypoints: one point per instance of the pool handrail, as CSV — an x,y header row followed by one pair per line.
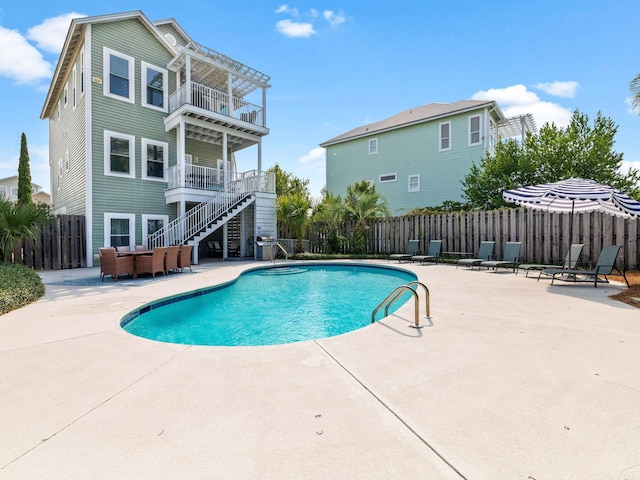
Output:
x,y
396,294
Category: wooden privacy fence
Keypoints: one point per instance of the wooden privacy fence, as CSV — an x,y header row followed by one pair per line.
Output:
x,y
544,235
60,244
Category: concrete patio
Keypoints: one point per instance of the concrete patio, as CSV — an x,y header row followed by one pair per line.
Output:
x,y
510,379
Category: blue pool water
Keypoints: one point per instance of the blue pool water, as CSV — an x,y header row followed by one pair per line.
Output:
x,y
273,305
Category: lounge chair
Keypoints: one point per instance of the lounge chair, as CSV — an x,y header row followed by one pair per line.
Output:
x,y
604,266
153,263
111,264
570,261
412,249
433,253
485,252
509,259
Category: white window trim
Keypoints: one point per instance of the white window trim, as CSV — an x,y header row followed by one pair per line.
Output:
x,y
165,160
67,161
107,52
14,192
479,142
60,169
107,227
369,146
3,192
65,95
59,109
107,154
409,183
145,218
395,177
440,137
143,87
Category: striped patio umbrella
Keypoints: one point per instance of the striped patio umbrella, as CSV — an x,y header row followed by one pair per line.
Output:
x,y
574,195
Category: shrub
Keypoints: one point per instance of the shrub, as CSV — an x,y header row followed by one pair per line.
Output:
x,y
19,286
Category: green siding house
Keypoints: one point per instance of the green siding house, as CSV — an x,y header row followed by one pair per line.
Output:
x,y
144,124
418,157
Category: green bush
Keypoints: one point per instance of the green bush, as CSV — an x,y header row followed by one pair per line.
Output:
x,y
19,286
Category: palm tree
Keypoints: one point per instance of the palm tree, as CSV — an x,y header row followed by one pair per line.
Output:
x,y
362,206
18,222
634,86
330,212
293,211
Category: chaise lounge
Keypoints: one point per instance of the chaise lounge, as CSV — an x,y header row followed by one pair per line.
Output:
x,y
485,252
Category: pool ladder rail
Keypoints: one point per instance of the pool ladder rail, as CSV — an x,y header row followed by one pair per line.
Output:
x,y
397,293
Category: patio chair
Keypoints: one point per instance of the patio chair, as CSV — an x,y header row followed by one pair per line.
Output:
x,y
153,263
171,259
214,248
123,248
509,258
111,264
604,266
140,248
412,249
184,258
485,252
570,261
234,248
433,253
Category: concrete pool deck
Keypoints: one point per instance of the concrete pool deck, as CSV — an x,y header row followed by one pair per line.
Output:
x,y
510,379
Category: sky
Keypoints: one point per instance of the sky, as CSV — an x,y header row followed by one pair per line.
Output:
x,y
337,65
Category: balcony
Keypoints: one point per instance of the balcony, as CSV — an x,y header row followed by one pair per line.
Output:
x,y
217,103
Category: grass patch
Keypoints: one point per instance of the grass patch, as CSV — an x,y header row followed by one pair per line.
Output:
x,y
324,256
19,286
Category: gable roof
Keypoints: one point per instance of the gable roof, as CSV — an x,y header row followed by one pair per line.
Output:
x,y
425,113
74,39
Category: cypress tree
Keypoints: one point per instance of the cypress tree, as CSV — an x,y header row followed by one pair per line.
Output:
x,y
24,174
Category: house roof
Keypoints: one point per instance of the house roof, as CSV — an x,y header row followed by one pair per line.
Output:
x,y
15,178
72,42
425,113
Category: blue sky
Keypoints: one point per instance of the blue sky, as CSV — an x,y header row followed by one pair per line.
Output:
x,y
338,65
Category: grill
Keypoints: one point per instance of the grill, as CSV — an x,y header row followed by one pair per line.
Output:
x,y
265,248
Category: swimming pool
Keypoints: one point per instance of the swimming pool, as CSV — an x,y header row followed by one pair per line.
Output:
x,y
272,305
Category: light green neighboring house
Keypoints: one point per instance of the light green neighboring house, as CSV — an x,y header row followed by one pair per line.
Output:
x,y
418,157
144,124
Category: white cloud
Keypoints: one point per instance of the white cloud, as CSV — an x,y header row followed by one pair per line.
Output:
x,y
559,89
295,29
19,60
517,100
315,155
286,9
334,18
627,165
38,163
51,33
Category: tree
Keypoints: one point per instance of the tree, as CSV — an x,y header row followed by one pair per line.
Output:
x,y
554,154
634,86
17,222
293,211
287,183
330,212
24,173
363,203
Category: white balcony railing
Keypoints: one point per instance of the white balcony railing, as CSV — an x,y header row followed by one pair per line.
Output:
x,y
199,218
216,101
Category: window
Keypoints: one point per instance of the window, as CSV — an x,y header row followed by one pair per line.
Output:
x,y
82,71
414,183
60,169
74,86
3,191
65,95
387,177
58,111
445,136
151,224
154,87
14,192
474,130
119,76
373,146
119,154
66,161
154,160
492,133
119,229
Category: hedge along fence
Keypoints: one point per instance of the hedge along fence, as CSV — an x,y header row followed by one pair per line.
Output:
x,y
544,235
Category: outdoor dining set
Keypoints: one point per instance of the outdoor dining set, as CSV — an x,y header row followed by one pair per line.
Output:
x,y
125,260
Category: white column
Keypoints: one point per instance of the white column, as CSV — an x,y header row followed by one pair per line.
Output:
x,y
224,159
181,153
264,107
230,94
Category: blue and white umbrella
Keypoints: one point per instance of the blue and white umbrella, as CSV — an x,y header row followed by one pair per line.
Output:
x,y
575,195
